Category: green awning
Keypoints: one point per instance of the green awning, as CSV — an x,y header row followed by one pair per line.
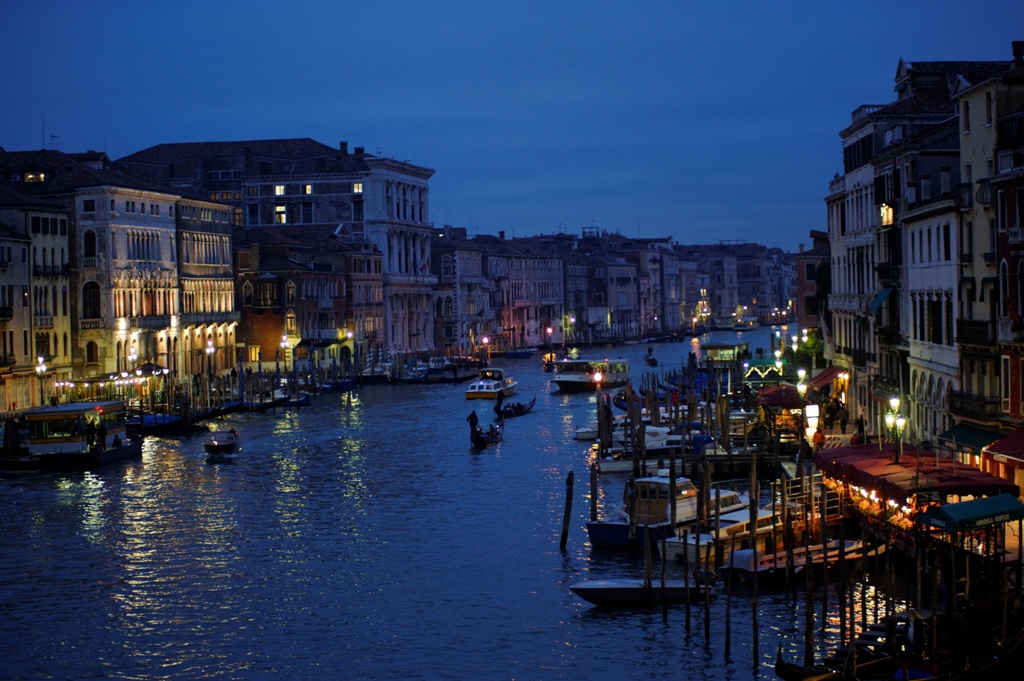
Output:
x,y
970,515
970,438
879,299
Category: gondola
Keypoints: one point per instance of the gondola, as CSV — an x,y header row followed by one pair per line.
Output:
x,y
482,439
517,408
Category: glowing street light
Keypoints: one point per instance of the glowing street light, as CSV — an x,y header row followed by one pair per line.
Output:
x,y
41,372
895,422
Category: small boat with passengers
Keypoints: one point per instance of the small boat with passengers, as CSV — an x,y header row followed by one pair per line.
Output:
x,y
582,375
222,445
489,383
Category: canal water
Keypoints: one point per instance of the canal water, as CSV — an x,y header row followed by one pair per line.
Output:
x,y
357,538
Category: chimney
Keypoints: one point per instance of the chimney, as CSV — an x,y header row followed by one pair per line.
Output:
x,y
1018,54
801,248
501,234
360,151
344,147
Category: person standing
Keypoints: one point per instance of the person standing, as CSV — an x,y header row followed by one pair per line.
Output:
x,y
844,418
473,420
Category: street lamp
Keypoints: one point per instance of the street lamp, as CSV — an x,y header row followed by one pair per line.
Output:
x,y
133,356
284,351
40,371
895,422
801,389
550,331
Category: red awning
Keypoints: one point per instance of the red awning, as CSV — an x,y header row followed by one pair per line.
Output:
x,y
782,396
869,467
1012,445
824,378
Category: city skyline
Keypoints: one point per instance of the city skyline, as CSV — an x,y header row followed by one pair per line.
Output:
x,y
699,123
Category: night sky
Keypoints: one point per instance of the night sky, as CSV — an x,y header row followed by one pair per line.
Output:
x,y
698,120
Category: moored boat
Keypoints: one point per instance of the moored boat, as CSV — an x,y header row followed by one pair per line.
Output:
x,y
637,592
580,375
79,435
646,512
750,564
490,383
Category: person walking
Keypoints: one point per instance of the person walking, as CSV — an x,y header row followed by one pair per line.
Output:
x,y
844,418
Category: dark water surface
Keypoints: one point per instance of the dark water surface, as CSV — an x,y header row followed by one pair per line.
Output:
x,y
358,538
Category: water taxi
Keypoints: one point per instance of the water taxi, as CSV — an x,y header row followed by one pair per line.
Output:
x,y
490,383
79,435
578,375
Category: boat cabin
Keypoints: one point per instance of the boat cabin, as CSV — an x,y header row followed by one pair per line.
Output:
x,y
68,428
591,374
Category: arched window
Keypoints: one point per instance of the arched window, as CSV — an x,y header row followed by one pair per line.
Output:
x,y
91,300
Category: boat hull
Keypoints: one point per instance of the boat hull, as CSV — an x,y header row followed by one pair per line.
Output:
x,y
89,459
635,592
612,534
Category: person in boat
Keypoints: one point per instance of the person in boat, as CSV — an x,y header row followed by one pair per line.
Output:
x,y
473,420
498,401
101,435
233,432
493,431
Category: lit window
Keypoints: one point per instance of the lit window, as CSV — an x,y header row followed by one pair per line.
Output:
x,y
307,189
280,214
886,214
35,177
278,190
357,188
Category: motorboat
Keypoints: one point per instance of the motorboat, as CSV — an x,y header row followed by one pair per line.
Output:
x,y
78,436
626,591
719,534
490,383
750,564
582,375
649,504
222,444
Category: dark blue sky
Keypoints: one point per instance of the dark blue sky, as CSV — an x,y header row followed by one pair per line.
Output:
x,y
699,120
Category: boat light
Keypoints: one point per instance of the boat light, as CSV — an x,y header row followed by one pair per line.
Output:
x,y
597,377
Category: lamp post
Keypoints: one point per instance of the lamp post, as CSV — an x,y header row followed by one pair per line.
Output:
x,y
40,371
209,370
551,331
895,422
801,389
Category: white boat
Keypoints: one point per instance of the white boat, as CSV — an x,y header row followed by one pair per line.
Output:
x,y
579,375
79,435
637,592
490,383
652,499
222,445
751,564
719,532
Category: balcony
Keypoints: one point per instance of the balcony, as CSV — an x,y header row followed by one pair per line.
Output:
x,y
1015,235
968,405
42,322
975,332
90,324
888,274
1007,333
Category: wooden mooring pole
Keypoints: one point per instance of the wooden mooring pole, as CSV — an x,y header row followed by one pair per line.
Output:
x,y
568,510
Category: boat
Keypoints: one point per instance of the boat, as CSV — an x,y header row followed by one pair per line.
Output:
x,y
78,436
581,375
512,409
222,442
652,499
489,383
718,533
626,591
750,564
482,439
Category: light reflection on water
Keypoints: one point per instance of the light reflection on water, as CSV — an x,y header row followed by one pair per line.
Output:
x,y
357,538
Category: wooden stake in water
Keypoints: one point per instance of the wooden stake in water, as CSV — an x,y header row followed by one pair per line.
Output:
x,y
568,510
